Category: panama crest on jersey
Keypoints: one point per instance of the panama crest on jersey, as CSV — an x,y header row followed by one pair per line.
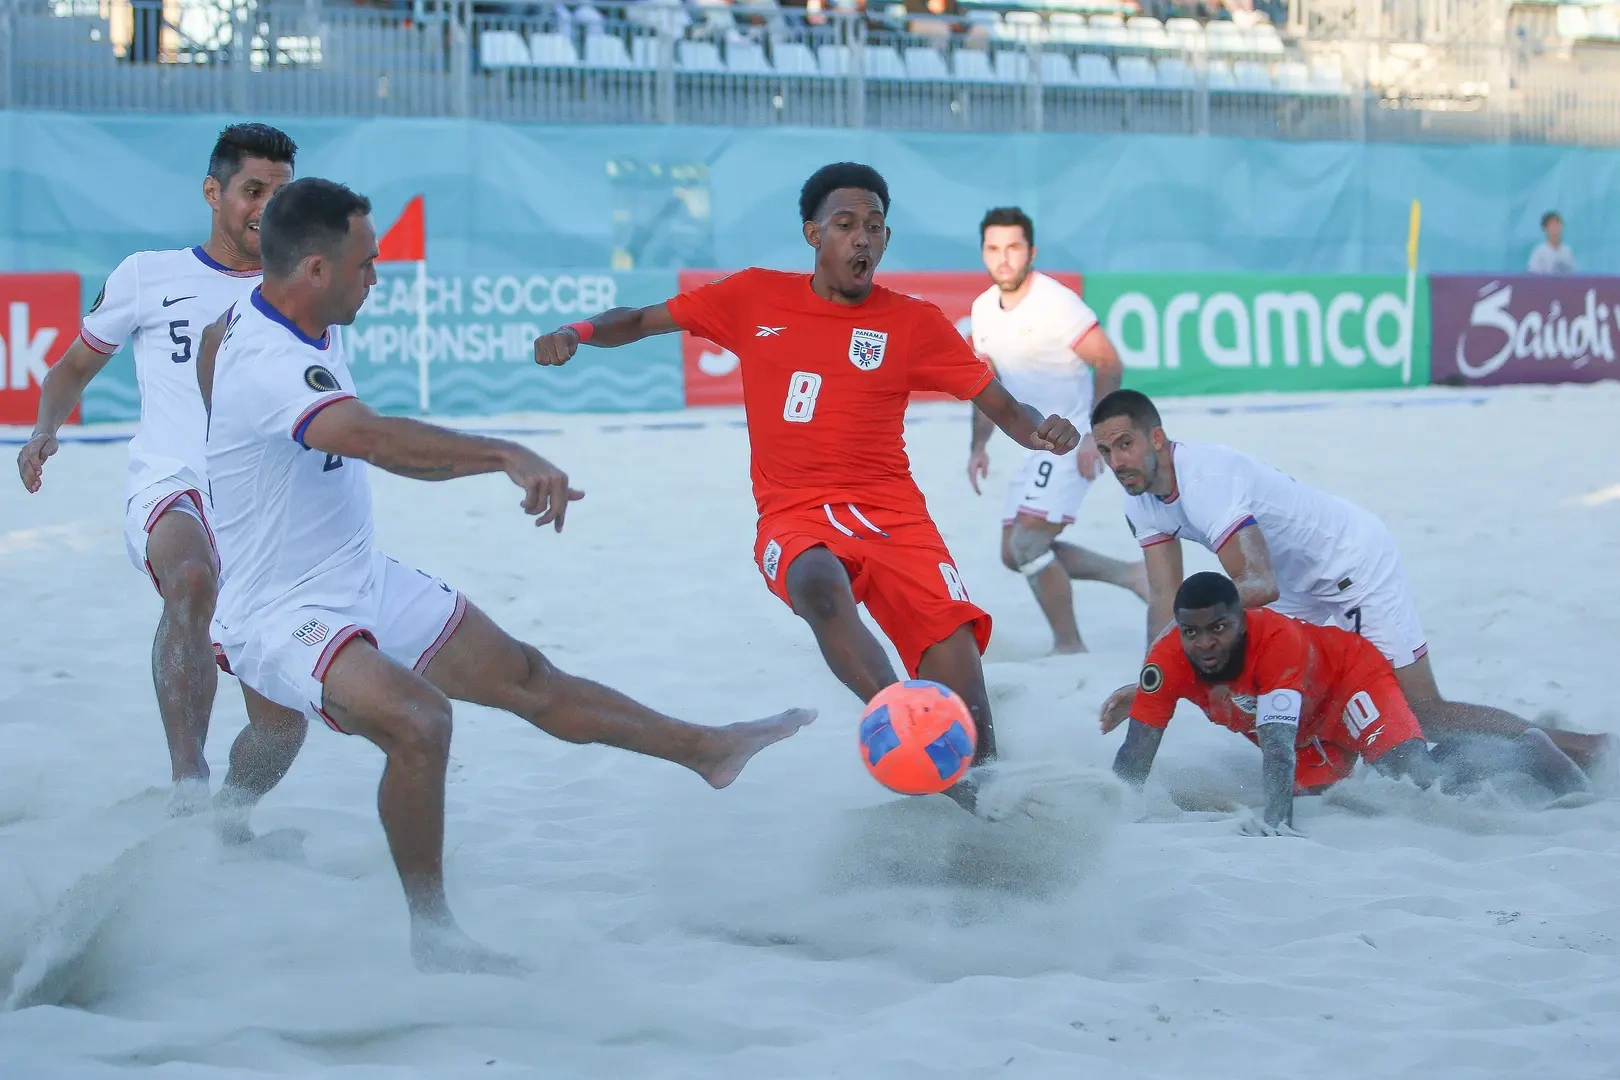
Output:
x,y
866,348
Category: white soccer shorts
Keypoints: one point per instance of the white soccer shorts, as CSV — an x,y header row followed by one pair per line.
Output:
x,y
182,493
1376,603
285,652
1046,486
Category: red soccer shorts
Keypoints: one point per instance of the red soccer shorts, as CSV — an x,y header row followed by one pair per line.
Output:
x,y
898,567
1367,722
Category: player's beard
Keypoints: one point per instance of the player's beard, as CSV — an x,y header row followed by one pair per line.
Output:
x,y
1229,670
1018,281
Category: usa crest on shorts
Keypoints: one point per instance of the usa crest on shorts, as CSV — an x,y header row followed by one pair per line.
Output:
x,y
866,348
312,633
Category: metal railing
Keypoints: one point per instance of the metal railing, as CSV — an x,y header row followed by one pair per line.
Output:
x,y
736,65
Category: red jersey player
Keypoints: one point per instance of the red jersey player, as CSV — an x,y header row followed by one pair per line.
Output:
x,y
829,361
1313,698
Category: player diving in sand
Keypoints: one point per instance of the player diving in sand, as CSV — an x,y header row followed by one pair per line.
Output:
x,y
829,361
1289,547
160,301
314,617
1313,698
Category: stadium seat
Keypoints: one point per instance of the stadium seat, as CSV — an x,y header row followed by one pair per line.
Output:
x,y
503,49
833,60
746,58
882,62
1293,77
1186,34
1225,39
698,57
1021,26
972,65
1093,69
553,50
646,51
1109,30
1174,74
980,19
1136,72
1149,34
1219,75
1068,28
1012,66
794,58
607,51
1250,75
1328,78
926,64
1265,40
1057,70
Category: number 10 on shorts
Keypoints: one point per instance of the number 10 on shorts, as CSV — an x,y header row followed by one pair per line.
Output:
x,y
803,386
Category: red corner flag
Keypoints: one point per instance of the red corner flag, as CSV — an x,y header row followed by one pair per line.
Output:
x,y
406,239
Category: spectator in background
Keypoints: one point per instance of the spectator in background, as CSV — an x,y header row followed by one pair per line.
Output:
x,y
1552,256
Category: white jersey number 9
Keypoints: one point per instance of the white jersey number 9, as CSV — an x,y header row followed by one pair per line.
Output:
x,y
803,386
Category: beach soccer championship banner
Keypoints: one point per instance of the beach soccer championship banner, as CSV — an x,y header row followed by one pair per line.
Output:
x,y
1522,329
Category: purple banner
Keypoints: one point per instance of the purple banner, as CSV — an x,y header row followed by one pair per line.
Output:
x,y
1521,329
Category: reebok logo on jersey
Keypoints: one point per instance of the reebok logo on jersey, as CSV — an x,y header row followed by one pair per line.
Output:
x,y
170,303
318,378
769,331
312,633
1372,736
866,348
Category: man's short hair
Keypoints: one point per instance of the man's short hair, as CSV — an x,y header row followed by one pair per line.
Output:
x,y
1131,404
1551,215
239,142
1009,215
843,174
1207,589
307,217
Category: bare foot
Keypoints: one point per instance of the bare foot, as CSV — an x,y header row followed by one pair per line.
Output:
x,y
441,948
231,809
1591,752
1069,648
190,796
736,744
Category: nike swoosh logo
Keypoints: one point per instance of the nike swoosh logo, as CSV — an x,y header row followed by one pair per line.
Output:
x,y
170,303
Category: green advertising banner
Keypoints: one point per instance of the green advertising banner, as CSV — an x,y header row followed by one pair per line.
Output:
x,y
1238,333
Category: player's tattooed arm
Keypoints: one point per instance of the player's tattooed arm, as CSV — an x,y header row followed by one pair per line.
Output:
x,y
1135,758
58,396
1023,424
1247,561
1277,776
421,451
614,327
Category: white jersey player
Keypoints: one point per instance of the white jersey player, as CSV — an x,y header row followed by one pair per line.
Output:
x,y
1047,347
1287,546
315,618
158,302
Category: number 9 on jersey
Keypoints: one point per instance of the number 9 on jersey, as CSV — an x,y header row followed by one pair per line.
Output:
x,y
803,386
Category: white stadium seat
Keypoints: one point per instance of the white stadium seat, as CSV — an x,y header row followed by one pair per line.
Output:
x,y
1093,69
833,59
1012,66
1251,76
1174,74
1056,69
607,51
882,62
1022,26
1109,30
926,64
746,58
1293,77
1147,33
1327,78
1265,40
1219,75
553,50
1136,71
793,58
1186,34
503,49
1068,28
1225,39
972,65
699,57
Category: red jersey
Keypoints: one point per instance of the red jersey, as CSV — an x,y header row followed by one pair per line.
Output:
x,y
1325,665
825,385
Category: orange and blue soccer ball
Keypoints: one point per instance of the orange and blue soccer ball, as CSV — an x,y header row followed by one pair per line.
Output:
x,y
917,737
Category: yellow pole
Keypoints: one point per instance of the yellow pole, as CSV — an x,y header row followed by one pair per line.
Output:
x,y
1411,289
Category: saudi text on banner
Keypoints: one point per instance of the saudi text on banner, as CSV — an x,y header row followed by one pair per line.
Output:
x,y
1233,333
39,318
1523,329
712,375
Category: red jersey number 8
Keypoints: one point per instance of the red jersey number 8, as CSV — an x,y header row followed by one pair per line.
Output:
x,y
803,386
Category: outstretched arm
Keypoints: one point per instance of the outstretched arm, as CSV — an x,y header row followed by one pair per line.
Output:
x,y
1025,426
350,428
612,328
59,395
1135,758
979,449
1247,561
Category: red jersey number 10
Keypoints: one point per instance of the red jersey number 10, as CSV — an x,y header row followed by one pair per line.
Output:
x,y
803,387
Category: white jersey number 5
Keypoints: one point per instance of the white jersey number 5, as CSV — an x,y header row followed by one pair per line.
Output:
x,y
803,386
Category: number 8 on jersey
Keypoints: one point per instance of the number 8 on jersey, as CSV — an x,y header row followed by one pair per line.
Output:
x,y
803,387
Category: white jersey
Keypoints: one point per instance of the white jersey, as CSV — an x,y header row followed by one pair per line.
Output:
x,y
1321,546
1032,347
293,524
160,301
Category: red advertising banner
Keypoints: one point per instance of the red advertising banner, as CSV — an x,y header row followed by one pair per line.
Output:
x,y
39,318
1523,329
712,375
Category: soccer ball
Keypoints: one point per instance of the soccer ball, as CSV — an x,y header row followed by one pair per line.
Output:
x,y
917,737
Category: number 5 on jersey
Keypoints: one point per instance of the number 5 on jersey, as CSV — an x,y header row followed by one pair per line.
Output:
x,y
803,387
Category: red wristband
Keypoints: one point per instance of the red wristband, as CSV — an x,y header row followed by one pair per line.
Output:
x,y
585,330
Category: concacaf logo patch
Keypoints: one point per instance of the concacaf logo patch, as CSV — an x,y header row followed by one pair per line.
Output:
x,y
1152,678
318,378
100,297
